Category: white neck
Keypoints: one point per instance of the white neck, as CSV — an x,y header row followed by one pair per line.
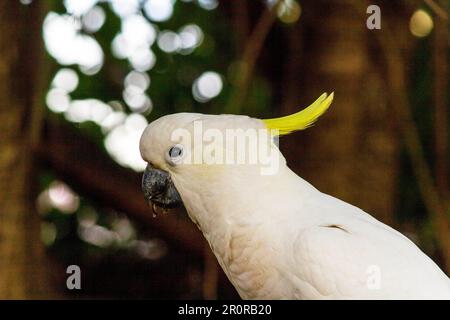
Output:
x,y
245,200
234,217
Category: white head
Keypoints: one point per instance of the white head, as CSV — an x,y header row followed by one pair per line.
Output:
x,y
197,159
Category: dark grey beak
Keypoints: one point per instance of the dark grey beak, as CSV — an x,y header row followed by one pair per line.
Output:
x,y
159,188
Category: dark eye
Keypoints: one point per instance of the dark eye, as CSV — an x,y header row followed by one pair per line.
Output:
x,y
176,152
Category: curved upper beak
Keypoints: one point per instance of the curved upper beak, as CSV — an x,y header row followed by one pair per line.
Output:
x,y
159,188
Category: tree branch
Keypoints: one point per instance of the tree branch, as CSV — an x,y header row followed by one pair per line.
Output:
x,y
92,173
397,91
246,64
437,9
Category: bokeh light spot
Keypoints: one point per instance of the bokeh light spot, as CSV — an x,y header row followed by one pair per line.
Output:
x,y
66,79
169,41
57,100
124,8
122,142
207,86
208,4
289,11
79,7
421,24
159,10
94,19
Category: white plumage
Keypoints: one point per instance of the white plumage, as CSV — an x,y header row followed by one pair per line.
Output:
x,y
278,237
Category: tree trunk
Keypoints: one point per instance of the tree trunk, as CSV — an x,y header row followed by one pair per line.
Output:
x,y
22,262
350,153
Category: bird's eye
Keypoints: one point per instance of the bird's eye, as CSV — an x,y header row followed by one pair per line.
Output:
x,y
176,152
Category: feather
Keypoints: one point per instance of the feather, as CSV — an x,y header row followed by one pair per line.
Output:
x,y
302,119
292,241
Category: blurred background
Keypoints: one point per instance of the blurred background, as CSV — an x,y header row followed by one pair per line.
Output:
x,y
80,79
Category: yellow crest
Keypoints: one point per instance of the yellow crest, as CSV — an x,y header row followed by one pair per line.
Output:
x,y
302,119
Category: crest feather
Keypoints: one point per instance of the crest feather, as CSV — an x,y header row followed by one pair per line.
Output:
x,y
302,119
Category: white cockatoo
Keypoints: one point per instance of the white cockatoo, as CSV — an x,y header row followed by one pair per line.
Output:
x,y
274,234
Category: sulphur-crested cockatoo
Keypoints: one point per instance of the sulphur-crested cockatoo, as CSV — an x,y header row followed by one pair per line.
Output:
x,y
273,233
